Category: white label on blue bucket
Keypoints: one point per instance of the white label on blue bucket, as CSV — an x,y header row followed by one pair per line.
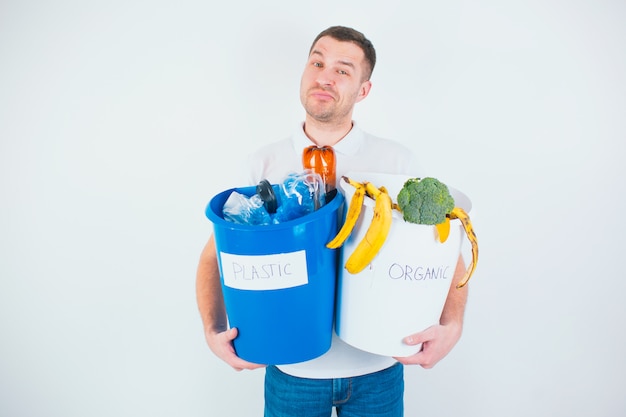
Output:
x,y
264,272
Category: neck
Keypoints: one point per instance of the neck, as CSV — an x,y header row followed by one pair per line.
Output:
x,y
325,134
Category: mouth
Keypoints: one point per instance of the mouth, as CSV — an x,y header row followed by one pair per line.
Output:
x,y
322,95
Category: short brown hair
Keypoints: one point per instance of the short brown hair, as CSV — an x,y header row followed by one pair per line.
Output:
x,y
346,34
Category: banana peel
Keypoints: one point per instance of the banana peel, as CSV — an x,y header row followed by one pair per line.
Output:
x,y
377,231
459,213
354,210
443,230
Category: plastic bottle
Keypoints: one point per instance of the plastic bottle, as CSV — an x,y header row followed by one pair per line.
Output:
x,y
321,159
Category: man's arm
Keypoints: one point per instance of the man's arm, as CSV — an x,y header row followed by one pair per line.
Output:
x,y
213,312
437,341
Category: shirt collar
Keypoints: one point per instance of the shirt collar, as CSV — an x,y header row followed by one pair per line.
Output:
x,y
349,145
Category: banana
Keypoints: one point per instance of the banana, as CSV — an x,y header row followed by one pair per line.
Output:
x,y
459,213
354,210
376,233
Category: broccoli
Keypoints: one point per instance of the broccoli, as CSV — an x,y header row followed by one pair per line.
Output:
x,y
425,201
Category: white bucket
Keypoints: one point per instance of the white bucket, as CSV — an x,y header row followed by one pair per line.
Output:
x,y
405,287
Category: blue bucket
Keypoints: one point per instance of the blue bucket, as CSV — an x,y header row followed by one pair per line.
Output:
x,y
278,282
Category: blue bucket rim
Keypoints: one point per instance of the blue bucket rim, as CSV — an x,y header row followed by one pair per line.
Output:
x,y
217,219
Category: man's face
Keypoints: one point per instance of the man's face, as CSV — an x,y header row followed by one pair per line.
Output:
x,y
332,81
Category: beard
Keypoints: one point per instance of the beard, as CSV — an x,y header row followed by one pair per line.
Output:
x,y
324,111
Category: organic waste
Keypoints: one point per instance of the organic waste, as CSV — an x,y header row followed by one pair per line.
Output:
x,y
424,201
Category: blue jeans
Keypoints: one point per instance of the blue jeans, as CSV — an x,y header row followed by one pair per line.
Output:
x,y
379,394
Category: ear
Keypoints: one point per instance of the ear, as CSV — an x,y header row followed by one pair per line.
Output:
x,y
364,90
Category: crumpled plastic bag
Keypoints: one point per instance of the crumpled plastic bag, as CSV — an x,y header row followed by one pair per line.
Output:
x,y
242,209
299,194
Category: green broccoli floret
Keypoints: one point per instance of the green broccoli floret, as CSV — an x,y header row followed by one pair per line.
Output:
x,y
425,201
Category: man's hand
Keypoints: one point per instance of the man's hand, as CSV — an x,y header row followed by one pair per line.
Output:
x,y
212,311
221,343
437,341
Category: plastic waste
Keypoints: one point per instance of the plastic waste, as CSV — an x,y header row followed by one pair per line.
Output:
x,y
297,195
241,209
321,159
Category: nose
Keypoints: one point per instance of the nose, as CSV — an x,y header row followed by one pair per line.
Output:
x,y
325,77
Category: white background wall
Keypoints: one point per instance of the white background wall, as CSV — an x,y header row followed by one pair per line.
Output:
x,y
120,119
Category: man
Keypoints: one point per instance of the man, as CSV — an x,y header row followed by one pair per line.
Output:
x,y
335,78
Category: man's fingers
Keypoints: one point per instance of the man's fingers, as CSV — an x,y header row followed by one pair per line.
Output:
x,y
232,359
232,334
421,337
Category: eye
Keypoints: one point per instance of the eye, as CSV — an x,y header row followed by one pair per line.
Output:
x,y
343,72
317,64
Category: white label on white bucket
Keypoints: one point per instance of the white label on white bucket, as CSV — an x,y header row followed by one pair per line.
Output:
x,y
264,272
